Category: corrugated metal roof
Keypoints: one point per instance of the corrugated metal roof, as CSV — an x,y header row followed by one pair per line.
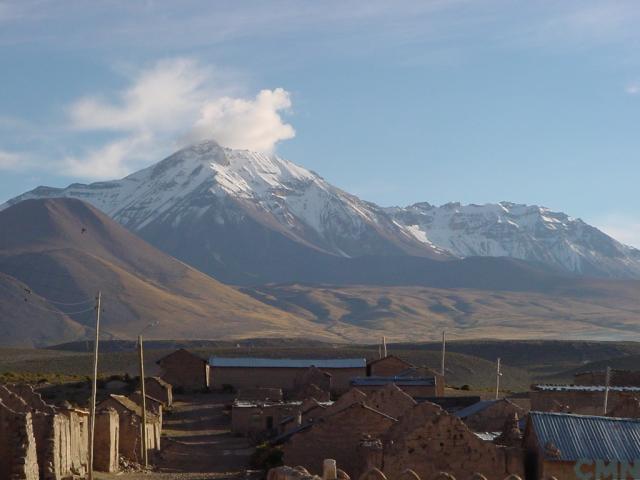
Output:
x,y
583,388
288,362
475,408
587,437
400,381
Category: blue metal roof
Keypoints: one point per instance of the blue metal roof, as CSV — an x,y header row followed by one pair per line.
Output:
x,y
587,437
583,388
400,381
287,362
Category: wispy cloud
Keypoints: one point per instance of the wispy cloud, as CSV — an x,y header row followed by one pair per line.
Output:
x,y
15,162
633,89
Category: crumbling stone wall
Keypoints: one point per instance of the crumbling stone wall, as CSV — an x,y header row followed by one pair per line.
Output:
x,y
354,395
492,418
391,400
337,436
66,451
428,440
106,441
32,398
18,458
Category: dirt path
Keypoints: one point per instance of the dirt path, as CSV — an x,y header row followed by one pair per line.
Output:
x,y
197,444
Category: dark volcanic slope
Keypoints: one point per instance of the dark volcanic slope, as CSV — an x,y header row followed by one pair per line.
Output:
x,y
65,250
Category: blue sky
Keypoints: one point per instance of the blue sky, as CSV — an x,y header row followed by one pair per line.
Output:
x,y
396,101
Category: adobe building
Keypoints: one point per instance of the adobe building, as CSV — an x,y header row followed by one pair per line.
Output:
x,y
260,420
310,410
617,378
579,399
388,366
337,436
428,440
243,373
489,415
558,445
107,441
158,388
414,386
391,400
130,422
153,404
185,370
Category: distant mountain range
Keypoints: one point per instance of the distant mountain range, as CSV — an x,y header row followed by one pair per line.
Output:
x,y
248,218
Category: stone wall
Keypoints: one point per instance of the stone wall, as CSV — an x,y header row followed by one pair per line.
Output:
x,y
579,402
18,457
492,418
337,436
106,441
391,400
428,440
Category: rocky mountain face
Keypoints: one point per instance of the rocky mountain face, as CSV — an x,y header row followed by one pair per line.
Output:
x,y
250,218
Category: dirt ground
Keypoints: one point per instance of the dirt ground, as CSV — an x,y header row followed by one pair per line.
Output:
x,y
197,444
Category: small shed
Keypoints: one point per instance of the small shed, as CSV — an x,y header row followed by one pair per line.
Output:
x,y
185,370
568,446
489,415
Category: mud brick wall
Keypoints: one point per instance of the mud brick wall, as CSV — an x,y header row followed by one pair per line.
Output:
x,y
428,440
619,378
18,458
387,367
493,418
583,403
391,400
337,436
157,389
106,441
185,370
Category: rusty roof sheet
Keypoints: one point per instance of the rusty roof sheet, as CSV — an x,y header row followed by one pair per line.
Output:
x,y
586,437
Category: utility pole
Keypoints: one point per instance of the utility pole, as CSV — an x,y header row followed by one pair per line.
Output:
x,y
498,375
444,342
384,347
607,381
143,431
94,387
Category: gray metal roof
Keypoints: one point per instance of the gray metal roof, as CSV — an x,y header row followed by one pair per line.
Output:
x,y
587,437
400,381
288,362
475,408
583,388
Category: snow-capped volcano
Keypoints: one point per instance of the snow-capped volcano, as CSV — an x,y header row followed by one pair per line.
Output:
x,y
526,232
248,217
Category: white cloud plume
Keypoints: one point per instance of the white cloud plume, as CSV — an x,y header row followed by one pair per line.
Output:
x,y
14,162
176,100
633,89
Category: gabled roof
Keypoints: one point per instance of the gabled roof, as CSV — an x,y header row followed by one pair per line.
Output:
x,y
377,360
130,405
287,362
581,436
160,381
399,381
179,351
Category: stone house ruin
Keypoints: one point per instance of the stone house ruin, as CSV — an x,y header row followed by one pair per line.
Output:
x,y
243,373
18,457
260,420
388,366
185,370
391,400
130,427
61,434
557,444
153,404
310,410
585,400
336,436
489,415
428,440
157,388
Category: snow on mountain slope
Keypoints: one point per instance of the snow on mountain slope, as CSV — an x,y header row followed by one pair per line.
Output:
x,y
250,218
526,232
231,185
